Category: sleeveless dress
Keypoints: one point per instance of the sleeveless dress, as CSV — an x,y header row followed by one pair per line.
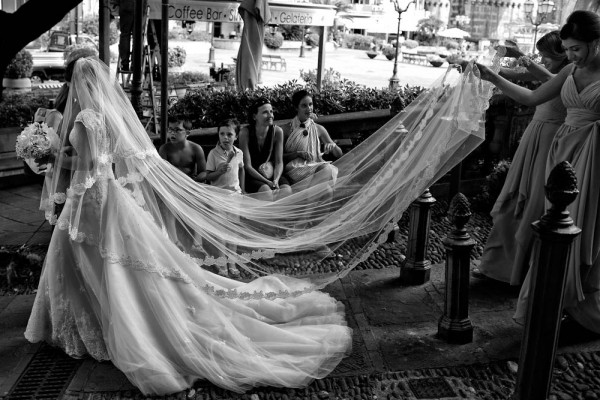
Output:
x,y
134,298
304,137
578,141
521,201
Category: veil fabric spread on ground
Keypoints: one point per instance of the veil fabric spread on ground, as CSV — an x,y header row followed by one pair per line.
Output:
x,y
376,182
124,278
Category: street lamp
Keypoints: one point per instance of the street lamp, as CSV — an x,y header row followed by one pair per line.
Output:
x,y
302,41
400,6
544,11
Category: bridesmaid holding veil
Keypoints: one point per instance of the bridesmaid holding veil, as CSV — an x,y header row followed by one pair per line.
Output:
x,y
578,142
521,201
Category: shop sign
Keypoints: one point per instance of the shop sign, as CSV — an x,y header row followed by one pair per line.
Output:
x,y
217,11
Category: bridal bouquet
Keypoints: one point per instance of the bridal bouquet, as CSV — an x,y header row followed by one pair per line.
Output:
x,y
37,142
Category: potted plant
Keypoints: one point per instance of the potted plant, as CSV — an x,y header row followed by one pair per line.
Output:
x,y
389,52
18,73
436,61
372,54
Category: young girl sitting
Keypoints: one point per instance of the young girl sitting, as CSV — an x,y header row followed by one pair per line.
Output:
x,y
225,169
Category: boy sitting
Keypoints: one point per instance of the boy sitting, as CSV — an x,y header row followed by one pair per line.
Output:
x,y
225,169
185,155
188,157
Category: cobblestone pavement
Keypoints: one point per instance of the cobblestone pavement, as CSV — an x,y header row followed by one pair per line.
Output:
x,y
575,377
396,353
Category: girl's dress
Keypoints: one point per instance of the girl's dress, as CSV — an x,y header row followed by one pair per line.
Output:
x,y
116,288
578,142
521,201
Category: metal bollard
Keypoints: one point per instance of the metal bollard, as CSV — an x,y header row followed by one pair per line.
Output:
x,y
455,326
555,232
416,269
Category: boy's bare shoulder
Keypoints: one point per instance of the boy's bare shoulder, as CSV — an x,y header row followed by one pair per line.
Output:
x,y
196,147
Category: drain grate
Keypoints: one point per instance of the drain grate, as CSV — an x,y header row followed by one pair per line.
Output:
x,y
46,377
430,388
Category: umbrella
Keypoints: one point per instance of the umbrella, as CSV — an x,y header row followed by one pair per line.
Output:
x,y
454,33
254,13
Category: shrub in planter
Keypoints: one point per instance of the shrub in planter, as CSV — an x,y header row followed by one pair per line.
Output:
x,y
273,40
177,56
18,109
411,44
20,67
18,73
389,52
187,78
436,61
360,42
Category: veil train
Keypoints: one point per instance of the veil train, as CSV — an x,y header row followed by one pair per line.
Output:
x,y
377,181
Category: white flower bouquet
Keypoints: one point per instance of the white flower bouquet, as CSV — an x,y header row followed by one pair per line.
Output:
x,y
37,142
36,145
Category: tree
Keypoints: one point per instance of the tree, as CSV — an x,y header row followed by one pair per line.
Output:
x,y
28,23
427,28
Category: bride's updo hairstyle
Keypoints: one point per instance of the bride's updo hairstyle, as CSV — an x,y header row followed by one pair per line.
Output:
x,y
581,25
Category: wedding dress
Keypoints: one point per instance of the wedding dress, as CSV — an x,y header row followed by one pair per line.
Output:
x,y
115,285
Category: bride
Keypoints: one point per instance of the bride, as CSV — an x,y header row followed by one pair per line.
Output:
x,y
116,287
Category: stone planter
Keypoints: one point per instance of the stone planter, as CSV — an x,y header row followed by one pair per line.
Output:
x,y
390,56
436,63
180,91
371,54
17,85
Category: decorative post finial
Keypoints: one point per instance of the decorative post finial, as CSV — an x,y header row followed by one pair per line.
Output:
x,y
561,190
460,213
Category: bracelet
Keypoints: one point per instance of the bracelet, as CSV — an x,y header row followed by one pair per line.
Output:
x,y
524,60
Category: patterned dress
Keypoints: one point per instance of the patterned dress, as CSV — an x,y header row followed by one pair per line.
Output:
x,y
305,138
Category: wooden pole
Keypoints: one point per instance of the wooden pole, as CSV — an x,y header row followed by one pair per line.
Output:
x,y
137,56
104,31
321,62
164,71
555,233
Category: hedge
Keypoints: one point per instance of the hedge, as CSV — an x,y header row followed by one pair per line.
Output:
x,y
204,107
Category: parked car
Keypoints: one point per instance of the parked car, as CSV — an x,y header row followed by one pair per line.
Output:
x,y
49,62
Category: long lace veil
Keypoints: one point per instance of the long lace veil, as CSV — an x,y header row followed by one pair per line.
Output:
x,y
376,182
